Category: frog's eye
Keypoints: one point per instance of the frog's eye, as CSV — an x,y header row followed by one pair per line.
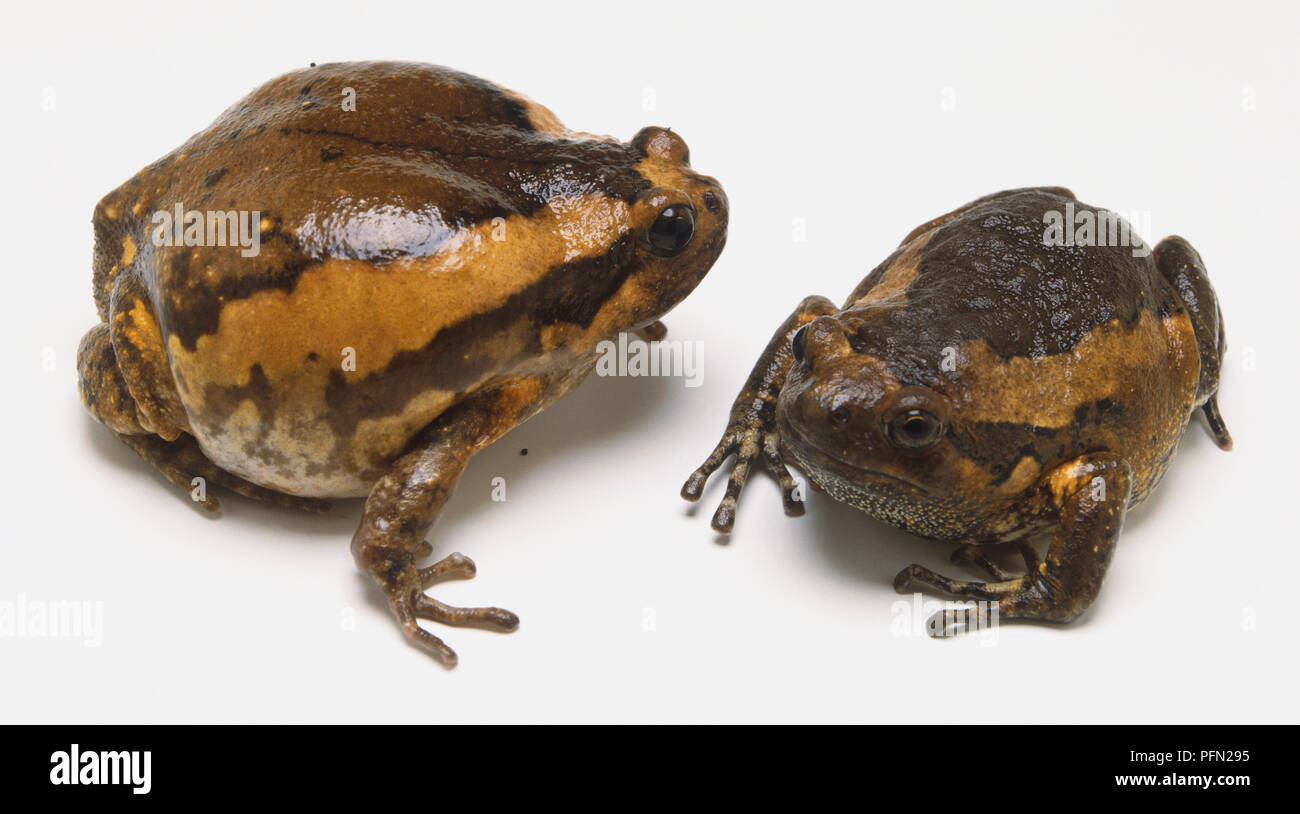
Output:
x,y
671,231
799,343
915,429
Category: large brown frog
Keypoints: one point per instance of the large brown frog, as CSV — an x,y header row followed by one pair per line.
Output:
x,y
363,273
1012,368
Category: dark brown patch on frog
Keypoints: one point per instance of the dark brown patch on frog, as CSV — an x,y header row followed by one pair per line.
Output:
x,y
330,153
585,164
986,272
998,446
213,177
193,302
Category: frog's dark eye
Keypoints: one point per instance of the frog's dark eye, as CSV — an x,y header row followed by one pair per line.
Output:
x,y
799,343
671,231
915,429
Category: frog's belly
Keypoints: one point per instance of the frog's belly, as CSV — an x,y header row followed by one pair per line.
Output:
x,y
303,450
299,441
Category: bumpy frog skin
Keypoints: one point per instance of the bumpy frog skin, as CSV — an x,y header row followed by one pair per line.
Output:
x,y
439,258
983,385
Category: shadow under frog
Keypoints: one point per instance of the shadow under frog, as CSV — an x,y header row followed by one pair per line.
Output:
x,y
459,250
986,385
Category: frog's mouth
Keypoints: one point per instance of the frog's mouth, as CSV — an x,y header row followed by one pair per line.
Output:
x,y
815,459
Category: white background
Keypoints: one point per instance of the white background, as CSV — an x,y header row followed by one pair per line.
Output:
x,y
834,114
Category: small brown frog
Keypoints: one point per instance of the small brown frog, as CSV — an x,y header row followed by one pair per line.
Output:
x,y
1006,371
363,273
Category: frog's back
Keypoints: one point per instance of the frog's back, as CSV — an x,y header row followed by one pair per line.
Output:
x,y
991,271
371,161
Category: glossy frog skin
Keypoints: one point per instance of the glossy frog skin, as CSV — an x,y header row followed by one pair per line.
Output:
x,y
985,384
437,263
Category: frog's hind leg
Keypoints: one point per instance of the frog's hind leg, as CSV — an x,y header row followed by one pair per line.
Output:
x,y
404,504
106,395
1182,266
1091,494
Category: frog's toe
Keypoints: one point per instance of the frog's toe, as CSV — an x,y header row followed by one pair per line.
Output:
x,y
422,638
746,450
457,566
918,575
981,614
418,605
724,518
453,566
952,621
426,607
694,486
791,497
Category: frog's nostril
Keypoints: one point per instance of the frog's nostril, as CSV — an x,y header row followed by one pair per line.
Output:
x,y
840,415
711,201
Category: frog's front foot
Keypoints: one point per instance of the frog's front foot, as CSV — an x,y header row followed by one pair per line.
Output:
x,y
748,438
405,587
751,429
